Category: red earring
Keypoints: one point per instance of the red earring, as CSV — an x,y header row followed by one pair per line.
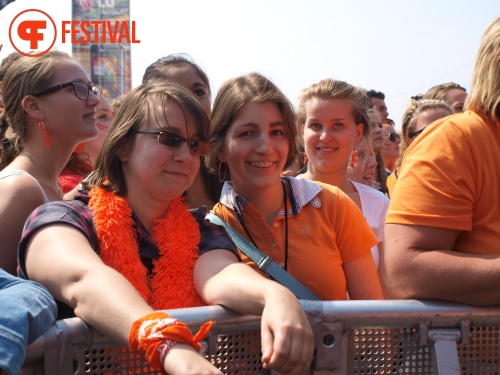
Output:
x,y
354,158
45,133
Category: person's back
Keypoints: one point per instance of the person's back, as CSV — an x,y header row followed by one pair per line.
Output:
x,y
443,224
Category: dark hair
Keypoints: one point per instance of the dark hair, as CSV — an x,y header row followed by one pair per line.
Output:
x,y
229,103
376,94
160,68
136,109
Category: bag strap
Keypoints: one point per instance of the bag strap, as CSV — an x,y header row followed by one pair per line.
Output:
x,y
264,262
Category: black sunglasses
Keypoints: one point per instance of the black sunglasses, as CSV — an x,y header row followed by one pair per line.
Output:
x,y
393,136
80,88
174,140
414,134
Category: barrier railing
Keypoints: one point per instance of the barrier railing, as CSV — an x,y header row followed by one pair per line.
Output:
x,y
352,337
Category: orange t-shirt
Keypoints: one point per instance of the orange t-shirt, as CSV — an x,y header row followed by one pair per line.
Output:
x,y
325,230
451,179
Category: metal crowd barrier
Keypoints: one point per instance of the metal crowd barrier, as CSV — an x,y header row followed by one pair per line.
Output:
x,y
352,337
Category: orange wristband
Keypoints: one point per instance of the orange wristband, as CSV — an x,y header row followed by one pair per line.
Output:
x,y
155,333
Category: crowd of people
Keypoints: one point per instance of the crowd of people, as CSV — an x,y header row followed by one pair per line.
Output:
x,y
343,203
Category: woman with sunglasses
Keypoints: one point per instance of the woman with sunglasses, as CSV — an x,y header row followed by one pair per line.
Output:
x,y
332,117
50,108
443,225
129,245
419,114
390,150
312,230
181,69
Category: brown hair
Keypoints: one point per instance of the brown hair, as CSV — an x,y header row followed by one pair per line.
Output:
x,y
135,110
229,103
26,75
439,92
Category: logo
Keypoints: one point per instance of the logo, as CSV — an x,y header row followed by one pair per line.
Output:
x,y
32,29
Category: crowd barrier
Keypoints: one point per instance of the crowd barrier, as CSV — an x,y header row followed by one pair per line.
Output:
x,y
351,337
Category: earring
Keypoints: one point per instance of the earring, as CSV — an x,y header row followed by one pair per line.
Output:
x,y
225,171
306,160
354,158
79,148
296,169
45,133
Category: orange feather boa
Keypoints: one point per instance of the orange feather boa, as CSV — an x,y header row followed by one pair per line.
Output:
x,y
177,236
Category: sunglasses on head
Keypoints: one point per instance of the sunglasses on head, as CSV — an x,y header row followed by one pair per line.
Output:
x,y
175,141
393,137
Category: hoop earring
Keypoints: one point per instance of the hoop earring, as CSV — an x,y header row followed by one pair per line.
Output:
x,y
296,169
306,159
225,171
354,158
45,133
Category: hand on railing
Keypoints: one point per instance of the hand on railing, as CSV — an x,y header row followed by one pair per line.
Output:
x,y
287,337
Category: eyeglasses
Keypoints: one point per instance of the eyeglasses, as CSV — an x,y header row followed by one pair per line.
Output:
x,y
81,89
175,141
393,137
414,134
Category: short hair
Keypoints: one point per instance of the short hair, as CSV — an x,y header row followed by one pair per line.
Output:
x,y
229,103
160,68
439,92
376,94
26,76
417,107
137,108
484,97
335,89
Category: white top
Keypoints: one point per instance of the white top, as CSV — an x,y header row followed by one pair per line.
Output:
x,y
374,206
20,172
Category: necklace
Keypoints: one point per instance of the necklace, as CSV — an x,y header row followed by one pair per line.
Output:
x,y
242,222
58,187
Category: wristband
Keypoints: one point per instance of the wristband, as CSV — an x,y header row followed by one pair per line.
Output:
x,y
155,333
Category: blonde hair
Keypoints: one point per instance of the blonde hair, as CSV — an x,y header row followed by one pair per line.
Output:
x,y
414,109
439,92
484,97
334,89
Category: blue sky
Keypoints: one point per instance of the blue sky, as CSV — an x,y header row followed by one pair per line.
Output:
x,y
396,46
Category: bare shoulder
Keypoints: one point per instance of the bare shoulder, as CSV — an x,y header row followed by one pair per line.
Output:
x,y
20,192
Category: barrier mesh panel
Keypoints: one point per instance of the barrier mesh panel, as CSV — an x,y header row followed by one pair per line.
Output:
x,y
235,354
481,356
388,351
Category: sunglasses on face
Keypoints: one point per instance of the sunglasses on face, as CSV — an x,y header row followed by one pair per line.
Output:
x,y
393,137
175,141
80,88
414,134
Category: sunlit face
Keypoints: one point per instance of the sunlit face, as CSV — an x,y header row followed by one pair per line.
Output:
x,y
186,76
390,150
381,107
70,120
456,98
256,148
330,133
364,170
158,172
426,118
104,115
376,130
